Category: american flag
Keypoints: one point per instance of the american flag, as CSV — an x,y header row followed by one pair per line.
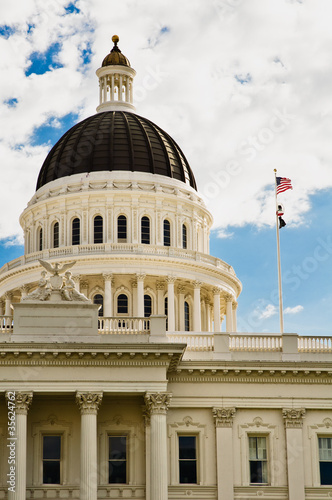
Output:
x,y
283,184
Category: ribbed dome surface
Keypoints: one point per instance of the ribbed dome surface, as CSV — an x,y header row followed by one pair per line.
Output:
x,y
115,140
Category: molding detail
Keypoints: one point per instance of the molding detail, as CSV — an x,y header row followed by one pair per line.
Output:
x,y
223,416
89,402
157,403
293,417
22,401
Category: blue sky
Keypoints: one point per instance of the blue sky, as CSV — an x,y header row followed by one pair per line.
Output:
x,y
239,85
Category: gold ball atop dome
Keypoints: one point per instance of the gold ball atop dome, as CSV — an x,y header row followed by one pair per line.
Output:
x,y
115,38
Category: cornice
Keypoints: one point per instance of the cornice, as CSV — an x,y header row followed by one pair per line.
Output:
x,y
251,372
125,355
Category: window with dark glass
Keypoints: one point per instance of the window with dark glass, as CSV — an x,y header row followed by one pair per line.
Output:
x,y
187,459
145,230
117,463
51,459
147,306
325,460
40,239
166,311
56,235
122,228
258,459
184,236
98,229
99,299
75,233
186,316
122,304
167,233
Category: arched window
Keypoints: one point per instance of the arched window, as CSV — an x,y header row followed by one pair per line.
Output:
x,y
122,304
40,239
184,236
99,299
147,306
166,311
145,230
186,317
98,229
167,233
76,232
122,228
55,235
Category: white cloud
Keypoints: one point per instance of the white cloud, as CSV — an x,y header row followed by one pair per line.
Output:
x,y
234,134
270,310
293,310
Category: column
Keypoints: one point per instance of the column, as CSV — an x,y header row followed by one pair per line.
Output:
x,y
88,404
157,405
22,401
140,294
108,296
224,442
181,308
147,427
229,312
134,298
8,310
105,88
160,298
170,303
216,309
234,307
197,306
293,418
207,314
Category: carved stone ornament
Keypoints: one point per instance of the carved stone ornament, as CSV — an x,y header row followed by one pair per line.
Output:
x,y
228,297
171,279
140,276
293,417
216,290
89,402
158,402
57,287
223,416
22,401
160,285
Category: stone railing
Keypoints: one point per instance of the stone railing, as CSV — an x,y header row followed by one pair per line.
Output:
x,y
314,344
115,248
255,342
6,324
126,326
203,341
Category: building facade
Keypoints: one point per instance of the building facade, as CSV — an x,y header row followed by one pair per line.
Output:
x,y
120,378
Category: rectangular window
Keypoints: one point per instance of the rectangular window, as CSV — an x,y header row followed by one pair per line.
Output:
x,y
325,460
187,459
258,459
51,459
117,464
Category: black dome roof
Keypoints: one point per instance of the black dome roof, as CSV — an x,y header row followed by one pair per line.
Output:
x,y
115,140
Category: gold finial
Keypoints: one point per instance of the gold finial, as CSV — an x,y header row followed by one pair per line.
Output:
x,y
115,39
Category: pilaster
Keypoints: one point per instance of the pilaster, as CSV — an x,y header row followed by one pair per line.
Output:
x,y
293,419
224,440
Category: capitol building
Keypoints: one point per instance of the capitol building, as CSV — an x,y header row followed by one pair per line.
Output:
x,y
123,375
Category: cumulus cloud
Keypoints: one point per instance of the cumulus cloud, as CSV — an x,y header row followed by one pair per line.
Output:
x,y
293,310
243,87
267,312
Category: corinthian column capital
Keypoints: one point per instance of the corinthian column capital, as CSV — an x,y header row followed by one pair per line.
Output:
x,y
89,402
293,417
157,403
22,401
223,416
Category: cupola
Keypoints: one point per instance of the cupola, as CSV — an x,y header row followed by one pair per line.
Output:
x,y
115,81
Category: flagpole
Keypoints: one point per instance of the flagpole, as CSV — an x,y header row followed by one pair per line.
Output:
x,y
281,317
